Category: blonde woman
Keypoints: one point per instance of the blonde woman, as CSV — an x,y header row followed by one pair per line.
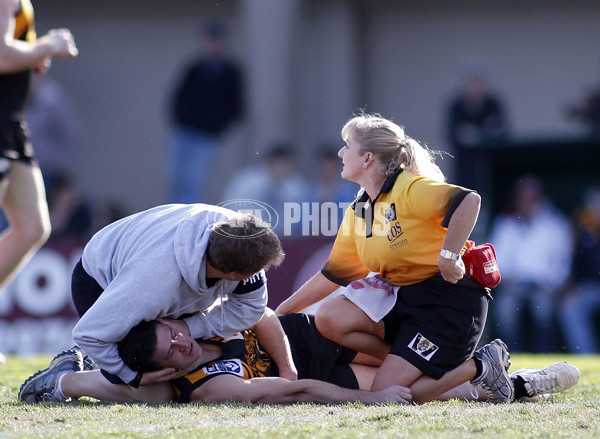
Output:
x,y
419,313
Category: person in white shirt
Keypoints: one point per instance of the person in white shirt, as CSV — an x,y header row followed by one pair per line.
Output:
x,y
533,245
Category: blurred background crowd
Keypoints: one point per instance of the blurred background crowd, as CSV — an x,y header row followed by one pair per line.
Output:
x,y
197,102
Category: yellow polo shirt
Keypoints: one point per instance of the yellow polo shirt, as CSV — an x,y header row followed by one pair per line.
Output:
x,y
399,236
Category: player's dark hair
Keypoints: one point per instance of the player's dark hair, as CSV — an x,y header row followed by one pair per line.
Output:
x,y
245,245
137,348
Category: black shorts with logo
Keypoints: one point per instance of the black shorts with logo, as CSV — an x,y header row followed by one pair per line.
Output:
x,y
14,145
436,325
315,356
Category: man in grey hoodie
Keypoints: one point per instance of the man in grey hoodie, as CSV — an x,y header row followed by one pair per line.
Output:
x,y
203,264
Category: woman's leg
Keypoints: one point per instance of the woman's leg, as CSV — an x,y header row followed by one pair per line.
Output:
x,y
24,202
342,321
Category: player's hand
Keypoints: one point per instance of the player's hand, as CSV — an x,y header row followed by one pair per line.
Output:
x,y
177,325
289,373
452,271
43,65
397,394
162,376
63,43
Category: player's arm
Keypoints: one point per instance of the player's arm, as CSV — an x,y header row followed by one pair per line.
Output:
x,y
343,265
243,308
316,288
17,55
224,388
273,340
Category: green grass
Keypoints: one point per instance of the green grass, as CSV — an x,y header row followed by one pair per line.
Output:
x,y
573,414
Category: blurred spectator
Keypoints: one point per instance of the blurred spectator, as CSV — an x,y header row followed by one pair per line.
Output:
x,y
274,181
55,126
70,214
107,212
588,112
534,246
476,116
206,101
580,307
328,186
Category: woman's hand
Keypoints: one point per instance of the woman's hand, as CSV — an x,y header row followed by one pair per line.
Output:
x,y
452,271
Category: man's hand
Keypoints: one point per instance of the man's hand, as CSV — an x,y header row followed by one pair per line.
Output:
x,y
289,373
397,394
162,376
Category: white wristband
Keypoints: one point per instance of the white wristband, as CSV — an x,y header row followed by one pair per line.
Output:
x,y
447,254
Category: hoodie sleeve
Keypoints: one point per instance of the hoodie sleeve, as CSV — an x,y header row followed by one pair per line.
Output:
x,y
117,310
239,310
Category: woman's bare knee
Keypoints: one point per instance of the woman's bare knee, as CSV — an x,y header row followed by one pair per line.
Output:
x,y
327,322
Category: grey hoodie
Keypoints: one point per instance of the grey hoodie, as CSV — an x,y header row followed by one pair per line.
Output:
x,y
152,265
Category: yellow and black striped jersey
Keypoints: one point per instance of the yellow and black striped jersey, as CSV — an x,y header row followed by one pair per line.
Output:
x,y
241,356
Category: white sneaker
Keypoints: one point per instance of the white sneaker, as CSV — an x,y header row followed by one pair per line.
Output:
x,y
555,378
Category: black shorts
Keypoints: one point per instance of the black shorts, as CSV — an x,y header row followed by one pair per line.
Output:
x,y
315,356
14,145
84,289
436,325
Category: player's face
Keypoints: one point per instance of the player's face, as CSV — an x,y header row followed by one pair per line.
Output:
x,y
352,159
175,349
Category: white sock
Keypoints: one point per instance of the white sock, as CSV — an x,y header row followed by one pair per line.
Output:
x,y
484,368
58,392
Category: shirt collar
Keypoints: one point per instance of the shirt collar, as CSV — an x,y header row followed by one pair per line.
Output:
x,y
361,205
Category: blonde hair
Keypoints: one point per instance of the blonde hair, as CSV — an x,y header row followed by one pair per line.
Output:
x,y
392,147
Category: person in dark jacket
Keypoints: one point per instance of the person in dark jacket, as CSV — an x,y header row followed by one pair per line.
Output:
x,y
206,101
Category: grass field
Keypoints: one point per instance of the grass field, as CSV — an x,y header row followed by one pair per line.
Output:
x,y
572,414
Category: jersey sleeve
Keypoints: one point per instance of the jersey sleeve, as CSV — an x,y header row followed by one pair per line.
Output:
x,y
344,264
431,200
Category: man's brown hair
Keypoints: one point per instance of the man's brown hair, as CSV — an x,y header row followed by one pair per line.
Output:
x,y
245,245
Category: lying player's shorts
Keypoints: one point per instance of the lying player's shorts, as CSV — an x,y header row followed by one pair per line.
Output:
x,y
436,325
14,145
315,356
